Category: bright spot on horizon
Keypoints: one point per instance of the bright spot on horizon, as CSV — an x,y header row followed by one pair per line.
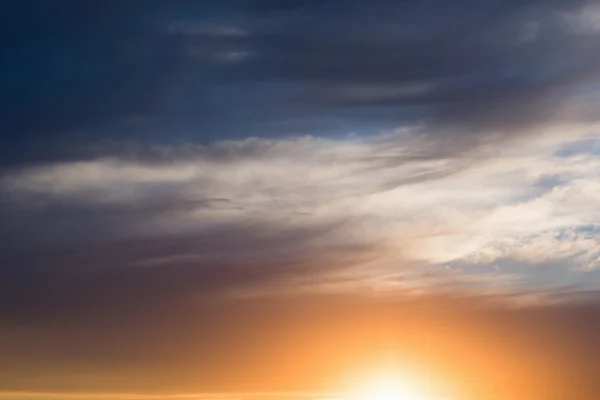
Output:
x,y
393,385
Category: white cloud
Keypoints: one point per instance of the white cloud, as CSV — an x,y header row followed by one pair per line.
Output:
x,y
525,202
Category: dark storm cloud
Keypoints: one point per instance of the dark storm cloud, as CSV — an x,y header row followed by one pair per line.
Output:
x,y
75,73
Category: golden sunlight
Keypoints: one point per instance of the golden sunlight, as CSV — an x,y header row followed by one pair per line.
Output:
x,y
392,384
389,389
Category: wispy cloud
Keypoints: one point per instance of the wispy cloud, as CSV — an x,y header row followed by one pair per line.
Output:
x,y
280,200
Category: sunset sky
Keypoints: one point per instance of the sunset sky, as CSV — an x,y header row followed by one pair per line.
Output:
x,y
278,199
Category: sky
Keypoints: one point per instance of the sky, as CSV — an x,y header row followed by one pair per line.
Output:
x,y
251,199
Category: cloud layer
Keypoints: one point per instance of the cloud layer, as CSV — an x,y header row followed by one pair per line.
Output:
x,y
521,217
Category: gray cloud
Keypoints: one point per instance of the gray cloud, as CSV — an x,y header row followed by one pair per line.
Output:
x,y
465,73
475,71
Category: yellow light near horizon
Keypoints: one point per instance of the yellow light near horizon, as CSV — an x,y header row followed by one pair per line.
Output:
x,y
392,385
389,389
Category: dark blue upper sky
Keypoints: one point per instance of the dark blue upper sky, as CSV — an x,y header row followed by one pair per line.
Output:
x,y
76,75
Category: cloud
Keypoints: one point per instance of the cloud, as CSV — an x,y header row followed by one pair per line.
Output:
x,y
207,74
163,269
478,79
584,19
367,211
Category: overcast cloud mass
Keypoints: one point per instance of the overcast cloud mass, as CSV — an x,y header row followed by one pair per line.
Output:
x,y
199,179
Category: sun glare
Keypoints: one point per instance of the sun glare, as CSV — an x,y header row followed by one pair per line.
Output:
x,y
389,389
392,385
